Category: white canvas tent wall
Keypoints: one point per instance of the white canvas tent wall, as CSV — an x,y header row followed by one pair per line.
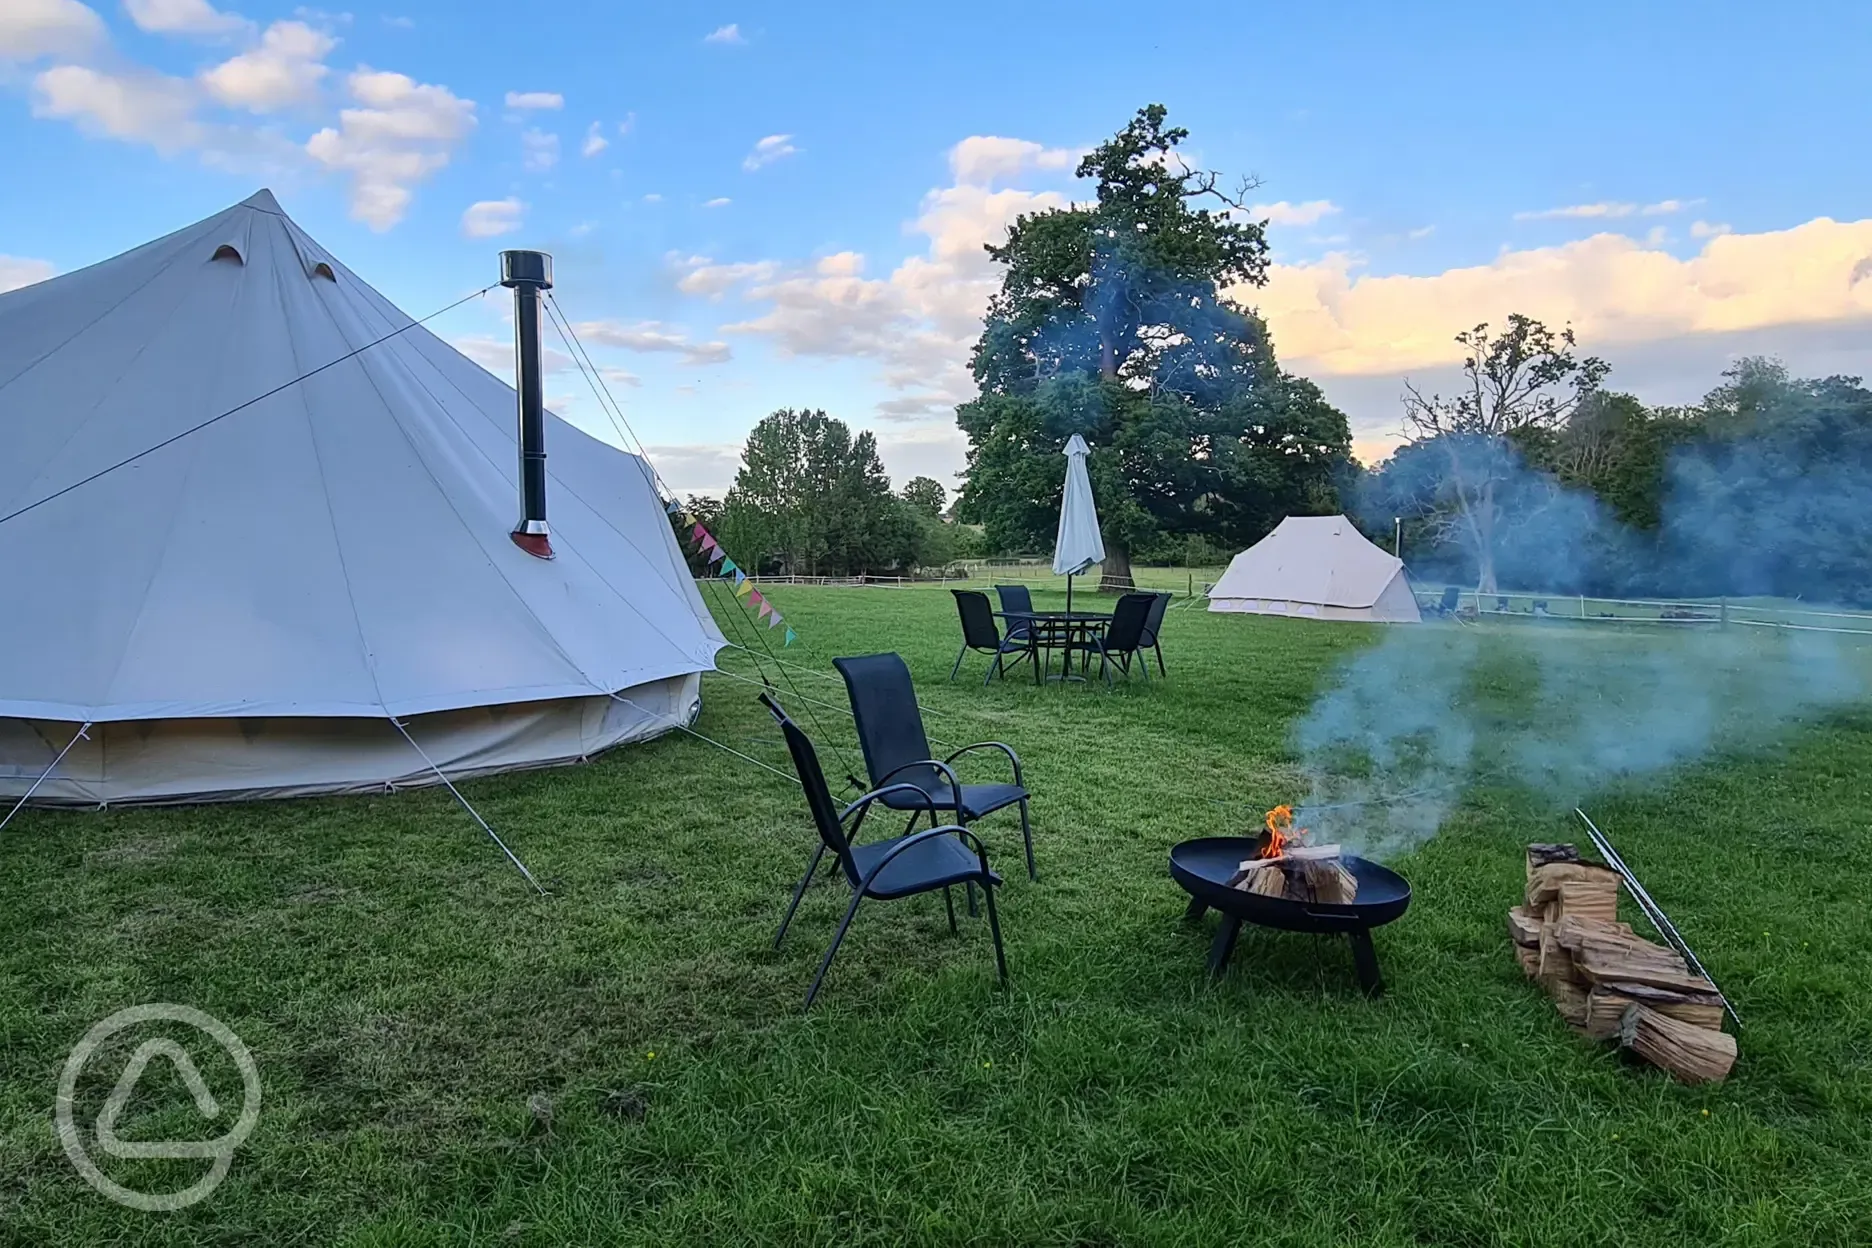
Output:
x,y
241,612
1317,567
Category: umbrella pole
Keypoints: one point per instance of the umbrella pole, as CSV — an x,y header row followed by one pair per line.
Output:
x,y
1066,664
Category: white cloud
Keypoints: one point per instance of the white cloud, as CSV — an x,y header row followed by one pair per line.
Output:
x,y
539,150
497,355
720,201
403,132
400,23
773,147
980,159
1422,231
1283,213
628,124
921,320
1707,229
712,281
18,271
30,29
619,377
1613,289
652,198
703,468
535,100
285,69
731,33
1607,209
653,336
137,105
595,141
183,17
490,218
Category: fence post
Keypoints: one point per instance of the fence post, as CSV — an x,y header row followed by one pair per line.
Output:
x,y
1724,616
1582,606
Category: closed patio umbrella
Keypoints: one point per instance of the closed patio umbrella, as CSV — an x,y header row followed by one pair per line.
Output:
x,y
1078,545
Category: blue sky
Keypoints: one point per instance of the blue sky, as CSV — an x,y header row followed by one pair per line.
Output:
x,y
1683,182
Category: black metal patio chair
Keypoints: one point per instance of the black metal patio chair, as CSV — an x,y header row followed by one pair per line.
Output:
x,y
979,633
897,751
1153,628
1015,600
903,866
1124,636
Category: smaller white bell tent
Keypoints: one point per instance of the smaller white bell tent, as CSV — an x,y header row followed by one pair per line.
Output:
x,y
1317,567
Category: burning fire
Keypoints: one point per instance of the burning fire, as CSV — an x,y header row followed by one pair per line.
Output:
x,y
1280,832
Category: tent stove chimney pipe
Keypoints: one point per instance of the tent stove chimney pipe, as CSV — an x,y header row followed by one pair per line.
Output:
x,y
528,273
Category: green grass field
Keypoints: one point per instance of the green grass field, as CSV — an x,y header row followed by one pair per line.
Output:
x,y
406,996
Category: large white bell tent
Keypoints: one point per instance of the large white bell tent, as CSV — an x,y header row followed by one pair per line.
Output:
x,y
323,591
1317,567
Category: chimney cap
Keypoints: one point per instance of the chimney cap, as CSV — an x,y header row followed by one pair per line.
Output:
x,y
526,268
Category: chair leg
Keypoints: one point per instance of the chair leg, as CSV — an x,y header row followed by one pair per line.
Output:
x,y
1158,647
949,905
825,963
1143,666
799,892
994,929
1027,836
958,663
994,669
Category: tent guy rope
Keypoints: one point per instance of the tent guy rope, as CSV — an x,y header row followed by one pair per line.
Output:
x,y
83,734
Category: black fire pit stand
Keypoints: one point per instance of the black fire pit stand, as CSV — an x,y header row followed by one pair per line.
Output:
x,y
1204,867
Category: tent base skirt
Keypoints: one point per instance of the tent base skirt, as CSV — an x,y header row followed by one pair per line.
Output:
x,y
207,760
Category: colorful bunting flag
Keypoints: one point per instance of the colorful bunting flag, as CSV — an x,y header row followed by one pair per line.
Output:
x,y
727,566
766,609
739,576
743,586
698,533
674,508
709,543
718,553
755,599
774,619
790,635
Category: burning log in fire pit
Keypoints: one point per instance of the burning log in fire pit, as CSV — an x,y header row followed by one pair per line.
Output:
x,y
1607,981
1285,867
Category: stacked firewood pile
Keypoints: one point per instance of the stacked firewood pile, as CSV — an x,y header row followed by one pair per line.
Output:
x,y
1608,982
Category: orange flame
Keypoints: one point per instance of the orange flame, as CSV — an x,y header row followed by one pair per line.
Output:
x,y
1281,832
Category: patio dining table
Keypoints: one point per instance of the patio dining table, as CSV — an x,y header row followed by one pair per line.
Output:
x,y
1065,631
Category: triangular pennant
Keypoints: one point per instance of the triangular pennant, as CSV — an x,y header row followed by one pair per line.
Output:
x,y
739,577
674,508
698,533
744,587
766,609
717,553
709,543
727,564
790,635
755,599
774,619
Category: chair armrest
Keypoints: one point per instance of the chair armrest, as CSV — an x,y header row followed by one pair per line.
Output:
x,y
875,794
990,745
955,786
954,829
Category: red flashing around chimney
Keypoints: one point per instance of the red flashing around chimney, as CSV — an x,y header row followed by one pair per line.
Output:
x,y
535,544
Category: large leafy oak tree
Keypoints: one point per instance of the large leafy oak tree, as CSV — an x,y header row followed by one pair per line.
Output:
x,y
1112,322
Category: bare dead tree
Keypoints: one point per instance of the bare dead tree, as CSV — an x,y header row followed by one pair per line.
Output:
x,y
1524,378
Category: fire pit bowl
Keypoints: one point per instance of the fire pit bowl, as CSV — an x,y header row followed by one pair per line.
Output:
x,y
1203,868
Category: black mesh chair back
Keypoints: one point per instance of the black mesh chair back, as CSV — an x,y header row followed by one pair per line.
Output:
x,y
818,793
1451,597
1014,597
890,727
978,622
1126,630
1153,623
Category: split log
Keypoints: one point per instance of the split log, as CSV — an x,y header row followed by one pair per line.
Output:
x,y
1543,884
1590,899
1329,882
1689,1053
1606,1005
1569,999
1268,883
1524,927
1602,953
1529,960
1542,855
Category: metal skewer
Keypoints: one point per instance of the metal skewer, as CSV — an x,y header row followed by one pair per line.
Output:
x,y
1653,911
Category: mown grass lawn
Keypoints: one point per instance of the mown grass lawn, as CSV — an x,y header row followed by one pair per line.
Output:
x,y
406,996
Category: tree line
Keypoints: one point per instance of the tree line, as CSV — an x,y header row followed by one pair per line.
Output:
x,y
1120,319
